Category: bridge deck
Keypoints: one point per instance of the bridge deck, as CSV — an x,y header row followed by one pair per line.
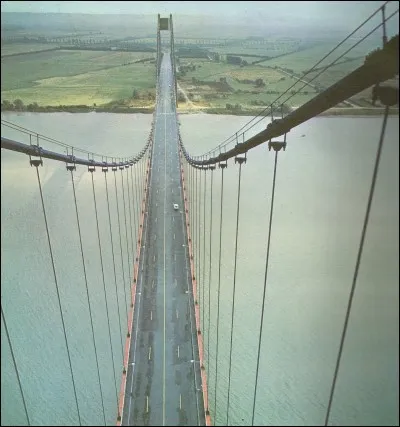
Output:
x,y
163,379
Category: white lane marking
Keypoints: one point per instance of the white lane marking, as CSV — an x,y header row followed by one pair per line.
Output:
x,y
165,203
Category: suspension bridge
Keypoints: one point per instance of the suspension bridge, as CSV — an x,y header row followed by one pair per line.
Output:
x,y
160,244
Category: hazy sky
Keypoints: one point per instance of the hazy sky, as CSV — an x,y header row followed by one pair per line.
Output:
x,y
308,10
343,15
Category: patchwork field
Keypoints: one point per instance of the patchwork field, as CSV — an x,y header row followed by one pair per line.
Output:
x,y
201,83
17,48
110,79
289,60
75,77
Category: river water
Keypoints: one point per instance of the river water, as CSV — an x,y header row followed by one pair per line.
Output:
x,y
323,180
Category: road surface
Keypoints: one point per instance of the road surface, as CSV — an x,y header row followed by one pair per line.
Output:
x,y
163,380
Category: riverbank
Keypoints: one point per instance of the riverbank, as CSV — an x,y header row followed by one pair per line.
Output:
x,y
338,111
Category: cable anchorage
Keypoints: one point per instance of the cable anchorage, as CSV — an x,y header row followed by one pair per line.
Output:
x,y
105,167
223,165
240,159
277,145
38,150
91,168
386,95
71,165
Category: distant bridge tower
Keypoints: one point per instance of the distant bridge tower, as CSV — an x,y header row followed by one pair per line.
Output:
x,y
172,44
158,46
165,24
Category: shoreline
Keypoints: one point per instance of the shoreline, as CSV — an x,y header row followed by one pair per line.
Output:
x,y
332,112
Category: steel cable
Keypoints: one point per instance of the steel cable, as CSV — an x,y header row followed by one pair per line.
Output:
x,y
233,293
219,291
358,261
113,259
15,365
265,285
104,287
120,247
58,293
87,293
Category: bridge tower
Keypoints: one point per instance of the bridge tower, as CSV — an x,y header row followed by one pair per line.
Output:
x,y
158,61
165,24
172,44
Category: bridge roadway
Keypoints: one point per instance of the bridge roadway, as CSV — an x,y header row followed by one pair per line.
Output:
x,y
163,379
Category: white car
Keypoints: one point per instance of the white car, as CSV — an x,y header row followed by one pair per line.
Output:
x,y
176,207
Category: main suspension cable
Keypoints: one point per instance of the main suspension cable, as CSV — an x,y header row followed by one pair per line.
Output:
x,y
358,261
339,57
230,138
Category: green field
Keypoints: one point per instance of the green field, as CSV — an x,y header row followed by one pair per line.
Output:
x,y
75,77
266,48
245,94
8,49
109,78
294,56
291,59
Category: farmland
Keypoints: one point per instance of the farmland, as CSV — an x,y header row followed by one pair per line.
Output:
x,y
18,48
75,77
92,68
